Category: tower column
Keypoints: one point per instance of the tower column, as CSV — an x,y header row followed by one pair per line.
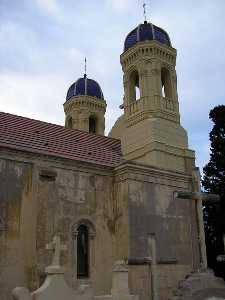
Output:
x,y
126,90
174,90
101,124
155,83
143,81
75,119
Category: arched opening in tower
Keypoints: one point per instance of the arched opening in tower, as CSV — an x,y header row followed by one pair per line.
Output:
x,y
69,122
134,86
92,124
166,91
82,252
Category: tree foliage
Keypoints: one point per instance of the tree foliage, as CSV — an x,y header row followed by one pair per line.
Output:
x,y
214,182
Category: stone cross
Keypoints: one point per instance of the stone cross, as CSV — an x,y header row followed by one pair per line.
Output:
x,y
57,248
199,197
85,66
144,7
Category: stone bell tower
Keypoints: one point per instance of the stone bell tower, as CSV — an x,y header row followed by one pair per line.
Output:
x,y
150,128
85,106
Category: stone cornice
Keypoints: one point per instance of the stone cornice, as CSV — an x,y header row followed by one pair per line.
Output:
x,y
126,170
84,101
144,173
149,50
148,113
159,146
53,161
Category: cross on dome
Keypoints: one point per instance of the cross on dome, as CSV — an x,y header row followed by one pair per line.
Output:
x,y
144,7
85,66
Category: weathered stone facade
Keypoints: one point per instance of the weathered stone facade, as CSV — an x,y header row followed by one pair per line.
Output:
x,y
124,205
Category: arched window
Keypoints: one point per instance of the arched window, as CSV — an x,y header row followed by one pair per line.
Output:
x,y
92,124
82,252
70,122
166,83
134,86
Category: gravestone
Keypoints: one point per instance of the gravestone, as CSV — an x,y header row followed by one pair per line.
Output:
x,y
54,287
120,289
215,298
202,285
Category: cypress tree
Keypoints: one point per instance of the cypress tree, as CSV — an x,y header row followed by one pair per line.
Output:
x,y
214,182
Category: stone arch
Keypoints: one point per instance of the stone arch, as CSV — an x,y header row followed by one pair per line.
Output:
x,y
134,85
83,259
86,222
93,124
83,233
166,84
69,122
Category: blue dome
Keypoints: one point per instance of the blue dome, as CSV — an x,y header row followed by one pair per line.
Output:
x,y
85,86
146,32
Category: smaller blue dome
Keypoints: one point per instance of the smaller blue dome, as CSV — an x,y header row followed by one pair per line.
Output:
x,y
85,86
146,32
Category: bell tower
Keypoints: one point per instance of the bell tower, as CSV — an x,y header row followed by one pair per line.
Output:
x,y
150,128
85,106
150,87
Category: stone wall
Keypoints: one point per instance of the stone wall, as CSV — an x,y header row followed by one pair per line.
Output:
x,y
76,195
15,189
40,197
153,210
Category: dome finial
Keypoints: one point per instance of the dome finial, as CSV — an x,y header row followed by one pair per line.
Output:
x,y
85,67
144,13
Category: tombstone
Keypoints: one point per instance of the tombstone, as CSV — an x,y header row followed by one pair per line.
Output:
x,y
120,279
54,287
120,289
201,285
215,298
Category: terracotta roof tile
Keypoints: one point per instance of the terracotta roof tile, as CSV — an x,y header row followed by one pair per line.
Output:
x,y
50,139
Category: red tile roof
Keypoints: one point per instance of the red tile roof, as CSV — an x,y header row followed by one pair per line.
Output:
x,y
44,138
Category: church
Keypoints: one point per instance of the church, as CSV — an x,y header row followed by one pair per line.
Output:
x,y
133,195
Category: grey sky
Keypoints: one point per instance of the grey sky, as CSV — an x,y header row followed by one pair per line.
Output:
x,y
43,44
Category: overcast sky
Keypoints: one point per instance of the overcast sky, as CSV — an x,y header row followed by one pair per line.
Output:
x,y
43,44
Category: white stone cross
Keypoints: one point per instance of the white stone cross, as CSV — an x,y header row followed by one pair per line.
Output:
x,y
144,7
57,247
